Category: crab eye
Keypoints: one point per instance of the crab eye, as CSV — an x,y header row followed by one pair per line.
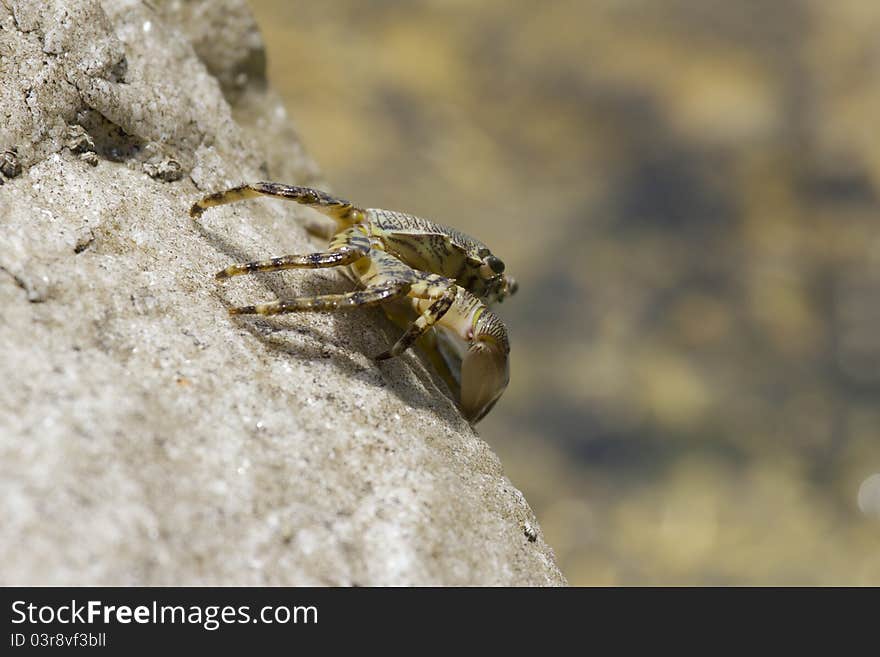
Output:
x,y
495,264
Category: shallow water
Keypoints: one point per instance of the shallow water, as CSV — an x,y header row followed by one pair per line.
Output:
x,y
687,194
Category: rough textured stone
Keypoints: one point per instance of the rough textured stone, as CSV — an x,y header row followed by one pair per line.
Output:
x,y
145,436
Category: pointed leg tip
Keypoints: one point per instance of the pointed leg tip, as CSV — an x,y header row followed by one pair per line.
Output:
x,y
385,355
221,275
196,211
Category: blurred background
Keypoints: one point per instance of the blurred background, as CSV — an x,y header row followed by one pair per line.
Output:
x,y
687,192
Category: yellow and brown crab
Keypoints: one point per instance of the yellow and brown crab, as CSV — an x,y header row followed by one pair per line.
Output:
x,y
424,274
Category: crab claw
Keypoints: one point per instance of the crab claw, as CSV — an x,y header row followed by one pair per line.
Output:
x,y
468,347
484,376
485,369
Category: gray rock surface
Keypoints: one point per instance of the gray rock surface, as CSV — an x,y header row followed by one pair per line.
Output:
x,y
145,436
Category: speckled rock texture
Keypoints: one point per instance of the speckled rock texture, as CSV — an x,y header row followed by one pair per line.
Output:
x,y
146,437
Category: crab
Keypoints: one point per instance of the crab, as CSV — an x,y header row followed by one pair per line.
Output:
x,y
425,275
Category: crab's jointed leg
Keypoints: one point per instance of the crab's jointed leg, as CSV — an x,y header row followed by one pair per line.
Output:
x,y
441,292
347,247
344,212
437,292
370,296
384,278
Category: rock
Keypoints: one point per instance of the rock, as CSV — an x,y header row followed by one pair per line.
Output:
x,y
146,437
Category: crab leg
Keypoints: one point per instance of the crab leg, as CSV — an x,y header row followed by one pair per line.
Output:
x,y
339,209
370,296
437,292
441,293
347,247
